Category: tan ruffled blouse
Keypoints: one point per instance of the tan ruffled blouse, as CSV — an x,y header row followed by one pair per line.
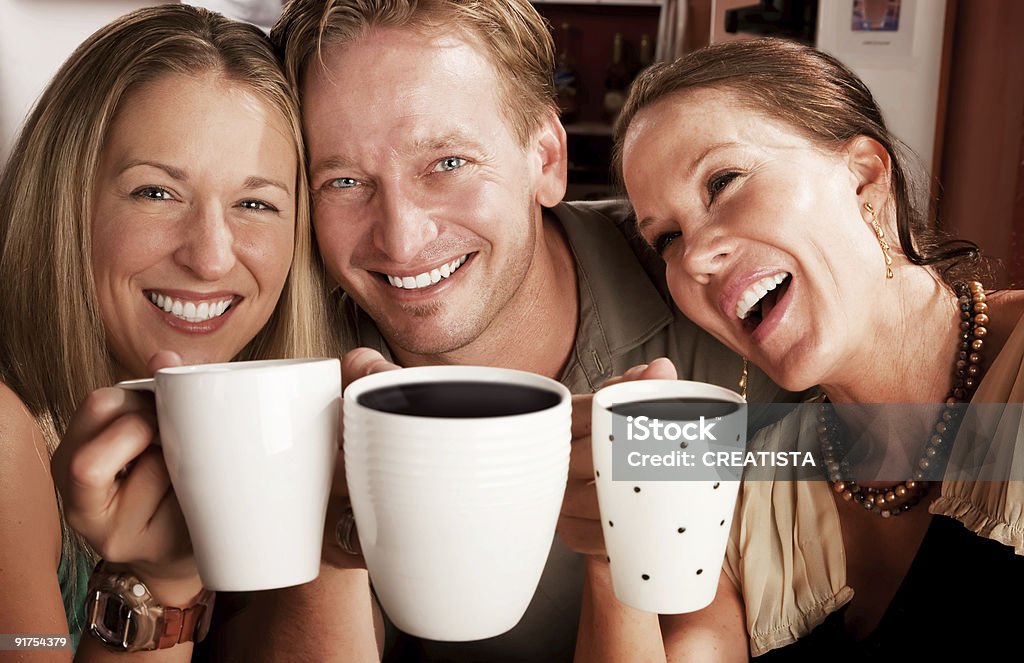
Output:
x,y
786,552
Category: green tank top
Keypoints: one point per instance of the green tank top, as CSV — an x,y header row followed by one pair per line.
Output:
x,y
73,591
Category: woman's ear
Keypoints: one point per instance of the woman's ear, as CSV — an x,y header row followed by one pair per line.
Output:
x,y
549,145
871,168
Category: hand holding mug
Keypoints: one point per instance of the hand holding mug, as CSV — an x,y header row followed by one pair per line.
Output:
x,y
116,490
341,541
579,525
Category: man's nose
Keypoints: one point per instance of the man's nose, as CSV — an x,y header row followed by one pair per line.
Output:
x,y
404,225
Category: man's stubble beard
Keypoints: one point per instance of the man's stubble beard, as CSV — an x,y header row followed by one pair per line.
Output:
x,y
462,329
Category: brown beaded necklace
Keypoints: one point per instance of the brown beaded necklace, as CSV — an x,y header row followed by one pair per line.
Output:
x,y
900,498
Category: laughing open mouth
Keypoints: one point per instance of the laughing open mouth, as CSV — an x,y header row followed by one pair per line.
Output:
x,y
758,300
426,279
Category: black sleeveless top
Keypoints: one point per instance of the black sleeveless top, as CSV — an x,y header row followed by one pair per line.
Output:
x,y
963,595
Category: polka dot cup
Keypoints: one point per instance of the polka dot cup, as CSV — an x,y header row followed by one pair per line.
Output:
x,y
665,537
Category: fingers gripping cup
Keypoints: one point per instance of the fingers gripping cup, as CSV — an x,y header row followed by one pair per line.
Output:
x,y
666,507
250,449
456,475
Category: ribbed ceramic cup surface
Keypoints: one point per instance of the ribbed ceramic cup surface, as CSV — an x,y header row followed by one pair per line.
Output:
x,y
456,514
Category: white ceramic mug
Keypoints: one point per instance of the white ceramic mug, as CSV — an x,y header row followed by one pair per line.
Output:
x,y
665,537
250,448
456,478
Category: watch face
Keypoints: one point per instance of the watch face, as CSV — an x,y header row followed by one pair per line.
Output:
x,y
113,621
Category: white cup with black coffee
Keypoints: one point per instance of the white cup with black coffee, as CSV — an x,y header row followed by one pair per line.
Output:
x,y
456,475
665,490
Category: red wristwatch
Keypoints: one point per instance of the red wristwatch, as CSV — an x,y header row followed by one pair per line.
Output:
x,y
124,616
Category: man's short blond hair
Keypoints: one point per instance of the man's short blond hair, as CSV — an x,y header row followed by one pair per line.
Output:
x,y
514,36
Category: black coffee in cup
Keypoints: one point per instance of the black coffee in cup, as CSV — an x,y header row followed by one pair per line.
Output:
x,y
459,399
676,409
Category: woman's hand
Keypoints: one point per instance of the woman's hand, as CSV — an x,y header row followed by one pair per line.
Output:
x,y
354,365
580,522
116,491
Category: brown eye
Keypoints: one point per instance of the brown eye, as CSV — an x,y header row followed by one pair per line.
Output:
x,y
257,205
664,239
719,182
152,193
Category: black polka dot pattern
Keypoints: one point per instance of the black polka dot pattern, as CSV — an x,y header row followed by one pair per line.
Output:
x,y
680,530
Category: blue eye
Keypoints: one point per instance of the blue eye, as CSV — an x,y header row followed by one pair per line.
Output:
x,y
662,241
343,183
152,193
448,164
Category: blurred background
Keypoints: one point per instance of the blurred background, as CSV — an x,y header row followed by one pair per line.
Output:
x,y
949,75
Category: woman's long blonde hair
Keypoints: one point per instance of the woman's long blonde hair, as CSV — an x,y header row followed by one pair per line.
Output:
x,y
53,350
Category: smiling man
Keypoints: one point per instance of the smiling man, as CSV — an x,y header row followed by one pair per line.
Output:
x,y
438,165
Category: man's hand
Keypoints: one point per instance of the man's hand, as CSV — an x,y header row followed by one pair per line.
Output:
x,y
580,522
354,365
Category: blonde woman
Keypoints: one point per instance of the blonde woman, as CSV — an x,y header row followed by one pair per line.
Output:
x,y
155,201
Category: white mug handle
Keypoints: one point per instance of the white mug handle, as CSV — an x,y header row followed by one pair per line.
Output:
x,y
145,384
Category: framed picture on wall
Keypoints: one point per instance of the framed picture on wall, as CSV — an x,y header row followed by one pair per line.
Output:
x,y
879,27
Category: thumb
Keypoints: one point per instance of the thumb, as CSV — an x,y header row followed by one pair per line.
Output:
x,y
661,368
362,362
164,359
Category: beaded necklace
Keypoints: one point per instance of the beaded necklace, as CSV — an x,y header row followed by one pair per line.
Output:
x,y
900,498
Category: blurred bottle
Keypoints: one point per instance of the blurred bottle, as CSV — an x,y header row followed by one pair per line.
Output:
x,y
646,53
616,81
567,78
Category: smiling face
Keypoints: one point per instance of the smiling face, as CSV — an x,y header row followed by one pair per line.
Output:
x,y
193,220
761,231
426,206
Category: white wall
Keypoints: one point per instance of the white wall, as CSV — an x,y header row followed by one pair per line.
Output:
x,y
36,36
903,74
902,68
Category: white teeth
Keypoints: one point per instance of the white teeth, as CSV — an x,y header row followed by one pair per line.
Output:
x,y
432,277
190,311
756,291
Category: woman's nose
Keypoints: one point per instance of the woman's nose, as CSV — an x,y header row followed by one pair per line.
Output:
x,y
207,249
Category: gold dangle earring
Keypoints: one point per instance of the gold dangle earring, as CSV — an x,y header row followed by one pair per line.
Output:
x,y
743,380
880,234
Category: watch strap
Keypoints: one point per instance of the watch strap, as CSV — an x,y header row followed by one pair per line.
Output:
x,y
189,624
